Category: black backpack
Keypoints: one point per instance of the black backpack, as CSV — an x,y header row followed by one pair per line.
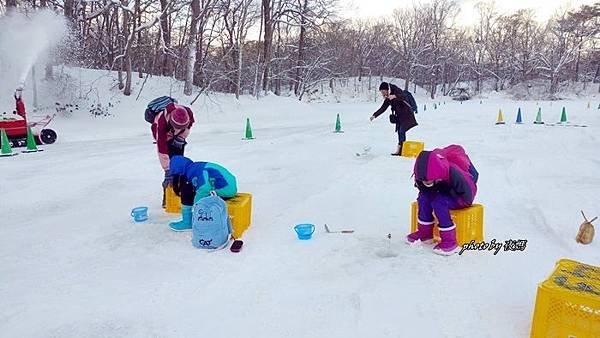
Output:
x,y
411,100
156,106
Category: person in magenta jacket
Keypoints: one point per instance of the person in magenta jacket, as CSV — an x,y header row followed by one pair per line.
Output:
x,y
446,180
170,129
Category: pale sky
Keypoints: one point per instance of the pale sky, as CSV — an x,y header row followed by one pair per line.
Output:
x,y
374,8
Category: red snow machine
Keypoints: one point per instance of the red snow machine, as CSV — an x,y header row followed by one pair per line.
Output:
x,y
16,130
16,124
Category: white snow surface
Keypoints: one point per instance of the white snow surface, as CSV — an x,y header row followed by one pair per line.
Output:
x,y
74,264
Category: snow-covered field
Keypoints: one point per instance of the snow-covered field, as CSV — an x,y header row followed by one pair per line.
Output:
x,y
73,264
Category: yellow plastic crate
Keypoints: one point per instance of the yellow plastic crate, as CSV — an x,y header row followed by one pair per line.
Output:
x,y
173,202
412,148
567,304
240,212
468,221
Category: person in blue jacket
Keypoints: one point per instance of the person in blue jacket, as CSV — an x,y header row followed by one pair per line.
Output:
x,y
195,180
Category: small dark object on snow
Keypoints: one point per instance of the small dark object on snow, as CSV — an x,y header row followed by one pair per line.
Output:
x,y
237,245
339,231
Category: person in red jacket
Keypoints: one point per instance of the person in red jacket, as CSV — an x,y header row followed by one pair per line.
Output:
x,y
19,104
170,129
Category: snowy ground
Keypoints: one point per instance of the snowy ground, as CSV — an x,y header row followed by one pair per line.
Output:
x,y
73,264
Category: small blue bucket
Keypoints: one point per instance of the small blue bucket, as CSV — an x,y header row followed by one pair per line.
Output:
x,y
304,231
139,214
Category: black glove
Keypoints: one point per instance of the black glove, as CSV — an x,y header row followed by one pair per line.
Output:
x,y
178,142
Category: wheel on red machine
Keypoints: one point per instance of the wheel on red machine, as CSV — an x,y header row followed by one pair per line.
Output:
x,y
47,136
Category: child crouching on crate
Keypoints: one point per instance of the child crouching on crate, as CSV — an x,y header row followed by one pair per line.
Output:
x,y
195,180
446,180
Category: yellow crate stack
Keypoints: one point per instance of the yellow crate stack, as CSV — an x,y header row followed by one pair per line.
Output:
x,y
568,302
173,202
468,221
239,209
412,148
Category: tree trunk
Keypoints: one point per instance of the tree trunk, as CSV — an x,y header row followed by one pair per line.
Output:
x,y
444,79
553,83
268,43
576,75
235,64
238,84
68,10
126,60
191,49
198,68
257,69
141,59
166,37
48,73
11,5
301,43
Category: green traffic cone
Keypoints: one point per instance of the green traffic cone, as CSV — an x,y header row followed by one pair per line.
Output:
x,y
31,146
248,130
338,125
538,118
563,116
6,150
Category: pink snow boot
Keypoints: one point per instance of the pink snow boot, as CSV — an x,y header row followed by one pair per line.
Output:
x,y
424,234
448,244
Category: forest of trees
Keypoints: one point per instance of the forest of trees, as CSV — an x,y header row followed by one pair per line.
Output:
x,y
282,46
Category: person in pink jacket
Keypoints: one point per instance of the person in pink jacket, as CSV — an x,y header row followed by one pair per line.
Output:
x,y
447,180
170,129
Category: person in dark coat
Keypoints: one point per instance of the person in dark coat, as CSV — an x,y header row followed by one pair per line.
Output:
x,y
402,115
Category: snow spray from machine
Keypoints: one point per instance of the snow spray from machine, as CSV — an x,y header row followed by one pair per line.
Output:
x,y
23,40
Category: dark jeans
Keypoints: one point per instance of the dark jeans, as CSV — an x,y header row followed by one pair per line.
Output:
x,y
187,191
173,151
401,135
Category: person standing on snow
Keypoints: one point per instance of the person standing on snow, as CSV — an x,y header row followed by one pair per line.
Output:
x,y
170,129
195,180
19,104
446,180
402,115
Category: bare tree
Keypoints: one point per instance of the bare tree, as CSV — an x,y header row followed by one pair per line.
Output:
x,y
191,48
